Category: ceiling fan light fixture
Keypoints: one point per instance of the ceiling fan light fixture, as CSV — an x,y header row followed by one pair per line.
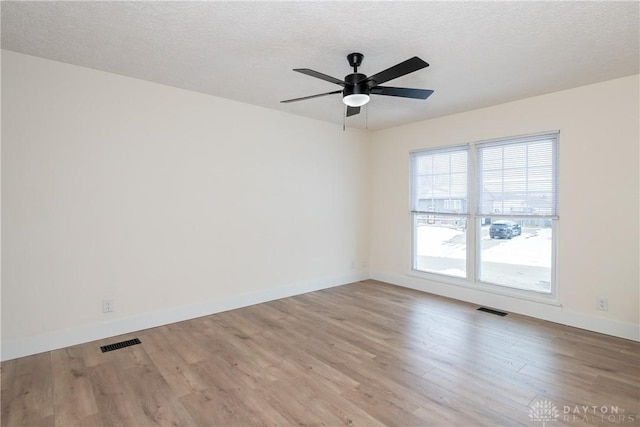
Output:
x,y
356,99
355,94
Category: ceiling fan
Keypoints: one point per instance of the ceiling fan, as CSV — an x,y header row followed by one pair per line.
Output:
x,y
358,87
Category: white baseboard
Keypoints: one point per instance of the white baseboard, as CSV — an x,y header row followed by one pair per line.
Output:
x,y
78,335
551,313
86,333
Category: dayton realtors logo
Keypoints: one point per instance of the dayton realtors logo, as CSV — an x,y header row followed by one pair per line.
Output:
x,y
597,414
542,410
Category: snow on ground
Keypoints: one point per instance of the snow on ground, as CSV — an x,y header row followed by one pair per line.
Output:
x,y
441,242
532,248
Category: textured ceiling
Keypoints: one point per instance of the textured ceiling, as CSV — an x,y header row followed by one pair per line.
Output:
x,y
481,53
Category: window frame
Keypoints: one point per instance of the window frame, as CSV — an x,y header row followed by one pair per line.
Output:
x,y
474,228
415,212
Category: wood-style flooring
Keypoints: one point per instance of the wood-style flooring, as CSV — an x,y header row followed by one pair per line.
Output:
x,y
364,354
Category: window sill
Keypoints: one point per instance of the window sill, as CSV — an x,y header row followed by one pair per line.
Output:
x,y
531,296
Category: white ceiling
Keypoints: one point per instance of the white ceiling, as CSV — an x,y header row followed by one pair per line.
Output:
x,y
481,53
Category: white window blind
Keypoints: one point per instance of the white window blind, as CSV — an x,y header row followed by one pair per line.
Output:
x,y
518,177
440,181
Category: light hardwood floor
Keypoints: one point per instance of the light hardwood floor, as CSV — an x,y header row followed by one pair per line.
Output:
x,y
361,354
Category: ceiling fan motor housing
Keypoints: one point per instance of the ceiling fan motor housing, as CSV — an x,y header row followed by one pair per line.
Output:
x,y
354,86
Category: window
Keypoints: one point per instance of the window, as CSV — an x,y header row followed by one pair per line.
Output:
x,y
507,239
440,207
517,202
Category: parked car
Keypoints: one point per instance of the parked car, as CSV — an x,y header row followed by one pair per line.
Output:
x,y
504,229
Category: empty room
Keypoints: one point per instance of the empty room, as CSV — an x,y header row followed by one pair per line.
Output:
x,y
320,213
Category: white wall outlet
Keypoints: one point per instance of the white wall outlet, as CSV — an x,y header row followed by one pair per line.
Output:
x,y
108,305
603,304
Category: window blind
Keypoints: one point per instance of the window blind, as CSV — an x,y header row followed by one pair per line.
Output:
x,y
518,176
440,181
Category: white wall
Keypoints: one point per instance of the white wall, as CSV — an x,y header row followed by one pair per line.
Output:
x,y
173,203
599,200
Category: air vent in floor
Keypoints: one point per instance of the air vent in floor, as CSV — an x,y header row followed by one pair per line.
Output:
x,y
496,312
119,345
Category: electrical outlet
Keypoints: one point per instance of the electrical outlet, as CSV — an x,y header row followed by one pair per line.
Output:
x,y
108,305
603,304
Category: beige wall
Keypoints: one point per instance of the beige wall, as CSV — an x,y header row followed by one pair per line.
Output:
x,y
163,199
599,197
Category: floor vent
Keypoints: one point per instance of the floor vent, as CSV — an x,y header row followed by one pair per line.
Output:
x,y
119,345
496,312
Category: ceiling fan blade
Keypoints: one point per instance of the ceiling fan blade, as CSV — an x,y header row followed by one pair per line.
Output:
x,y
352,111
321,76
398,70
311,96
403,92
